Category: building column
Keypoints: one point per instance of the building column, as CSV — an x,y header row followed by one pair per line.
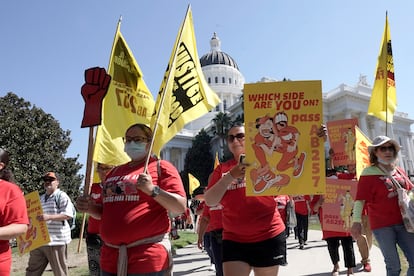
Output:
x,y
167,154
363,123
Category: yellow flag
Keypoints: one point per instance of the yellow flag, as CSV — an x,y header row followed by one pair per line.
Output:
x,y
216,161
361,151
184,94
127,102
193,183
384,98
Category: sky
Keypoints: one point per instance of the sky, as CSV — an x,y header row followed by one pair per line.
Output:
x,y
47,45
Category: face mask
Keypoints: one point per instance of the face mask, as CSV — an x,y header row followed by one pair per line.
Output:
x,y
382,161
136,150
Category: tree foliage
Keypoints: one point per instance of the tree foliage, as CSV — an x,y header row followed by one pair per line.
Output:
x,y
36,145
199,160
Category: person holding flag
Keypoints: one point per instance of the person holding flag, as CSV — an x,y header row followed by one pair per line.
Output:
x,y
137,199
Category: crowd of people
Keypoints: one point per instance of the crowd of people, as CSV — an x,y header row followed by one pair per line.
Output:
x,y
240,233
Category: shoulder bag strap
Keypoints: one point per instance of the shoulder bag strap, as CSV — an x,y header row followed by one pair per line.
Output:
x,y
396,184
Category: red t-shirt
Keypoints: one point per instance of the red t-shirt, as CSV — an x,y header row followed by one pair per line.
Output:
x,y
282,201
301,204
13,210
215,216
382,201
129,215
246,218
96,195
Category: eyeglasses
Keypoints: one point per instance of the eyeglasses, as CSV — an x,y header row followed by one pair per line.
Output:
x,y
49,179
384,149
239,136
139,139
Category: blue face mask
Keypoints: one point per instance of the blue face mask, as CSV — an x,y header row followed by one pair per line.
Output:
x,y
136,150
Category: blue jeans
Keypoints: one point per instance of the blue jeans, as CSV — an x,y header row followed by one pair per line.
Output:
x,y
388,238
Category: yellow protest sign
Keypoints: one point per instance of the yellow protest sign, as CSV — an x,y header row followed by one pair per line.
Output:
x,y
37,234
281,122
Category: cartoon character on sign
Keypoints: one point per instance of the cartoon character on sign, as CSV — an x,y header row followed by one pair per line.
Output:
x,y
288,147
346,209
349,143
265,142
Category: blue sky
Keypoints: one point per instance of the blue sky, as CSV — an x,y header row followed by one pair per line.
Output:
x,y
46,45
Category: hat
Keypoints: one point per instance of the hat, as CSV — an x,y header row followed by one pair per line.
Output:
x,y
381,140
281,117
50,175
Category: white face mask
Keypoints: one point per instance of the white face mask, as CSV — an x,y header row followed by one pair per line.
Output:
x,y
382,161
136,150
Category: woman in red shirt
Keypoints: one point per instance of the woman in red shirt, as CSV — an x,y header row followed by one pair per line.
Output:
x,y
375,189
13,213
253,231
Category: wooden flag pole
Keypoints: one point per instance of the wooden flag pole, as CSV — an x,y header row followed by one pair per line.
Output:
x,y
86,188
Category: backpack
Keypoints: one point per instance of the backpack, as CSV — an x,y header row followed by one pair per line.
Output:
x,y
71,221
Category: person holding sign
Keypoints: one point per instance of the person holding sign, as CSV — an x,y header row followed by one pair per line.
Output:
x,y
13,213
254,235
334,238
253,232
57,208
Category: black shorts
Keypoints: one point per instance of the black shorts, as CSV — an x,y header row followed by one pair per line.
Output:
x,y
257,254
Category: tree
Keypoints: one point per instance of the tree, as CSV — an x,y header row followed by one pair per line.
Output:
x,y
222,123
199,160
36,145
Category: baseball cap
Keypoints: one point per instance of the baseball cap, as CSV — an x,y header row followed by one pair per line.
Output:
x,y
50,175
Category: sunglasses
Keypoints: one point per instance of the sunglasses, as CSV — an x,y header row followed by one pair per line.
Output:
x,y
49,179
384,149
239,136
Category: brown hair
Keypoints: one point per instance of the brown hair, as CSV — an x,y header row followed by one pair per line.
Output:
x,y
5,173
147,131
373,159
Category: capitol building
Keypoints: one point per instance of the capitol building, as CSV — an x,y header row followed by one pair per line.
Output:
x,y
343,102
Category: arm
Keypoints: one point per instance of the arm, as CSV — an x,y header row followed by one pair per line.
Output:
x,y
85,204
173,202
55,217
215,193
10,231
202,230
356,229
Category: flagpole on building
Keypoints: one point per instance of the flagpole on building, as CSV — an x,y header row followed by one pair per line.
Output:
x,y
164,90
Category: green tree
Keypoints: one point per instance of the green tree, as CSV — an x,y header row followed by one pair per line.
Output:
x,y
36,144
220,128
199,160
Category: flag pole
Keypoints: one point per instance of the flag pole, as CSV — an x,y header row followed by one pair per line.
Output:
x,y
386,77
87,180
164,90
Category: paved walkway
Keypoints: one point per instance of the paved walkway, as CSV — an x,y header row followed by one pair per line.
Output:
x,y
312,261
